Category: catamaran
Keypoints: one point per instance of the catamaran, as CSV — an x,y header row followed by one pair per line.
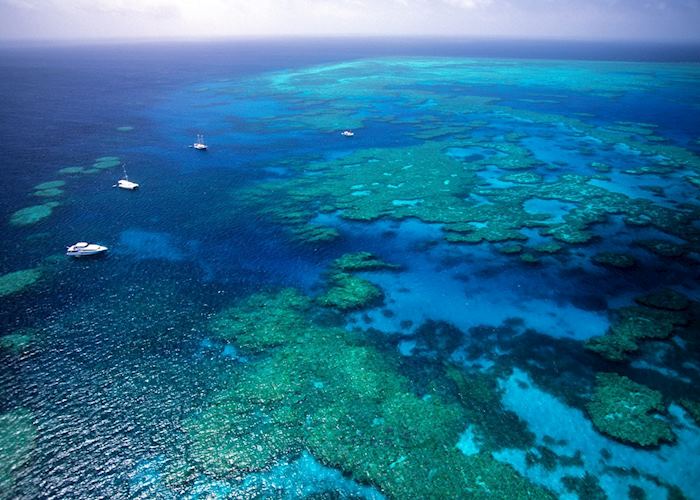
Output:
x,y
125,183
199,143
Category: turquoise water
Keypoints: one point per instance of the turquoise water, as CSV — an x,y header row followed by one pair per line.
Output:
x,y
226,348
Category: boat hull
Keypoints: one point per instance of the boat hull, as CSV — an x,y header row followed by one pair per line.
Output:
x,y
131,186
85,250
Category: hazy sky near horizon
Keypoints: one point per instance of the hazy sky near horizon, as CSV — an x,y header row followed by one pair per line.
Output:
x,y
578,19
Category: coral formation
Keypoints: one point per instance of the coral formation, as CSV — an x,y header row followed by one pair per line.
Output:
x,y
664,299
465,180
587,487
628,411
49,185
72,170
33,214
496,427
17,341
18,280
362,261
49,193
320,388
632,325
17,436
662,247
692,407
612,259
49,189
347,292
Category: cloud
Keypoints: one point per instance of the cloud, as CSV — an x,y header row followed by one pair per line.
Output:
x,y
200,18
468,4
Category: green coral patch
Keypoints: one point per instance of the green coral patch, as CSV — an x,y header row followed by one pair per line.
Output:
x,y
362,261
18,341
347,292
17,281
548,248
49,193
628,411
523,178
664,299
475,184
510,249
632,325
601,167
320,388
106,164
31,215
49,185
662,247
692,407
262,320
72,170
613,259
17,440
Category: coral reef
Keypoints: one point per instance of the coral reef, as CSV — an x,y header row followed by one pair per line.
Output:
x,y
627,411
33,214
320,388
632,325
347,292
18,280
662,248
692,407
71,170
476,185
49,189
664,299
362,261
17,436
49,185
586,487
17,341
612,259
496,427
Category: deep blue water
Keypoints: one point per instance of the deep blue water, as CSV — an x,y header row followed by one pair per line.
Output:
x,y
121,351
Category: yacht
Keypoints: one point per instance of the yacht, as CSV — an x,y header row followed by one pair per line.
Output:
x,y
125,183
83,249
347,133
199,143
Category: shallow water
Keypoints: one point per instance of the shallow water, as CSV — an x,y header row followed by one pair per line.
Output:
x,y
134,389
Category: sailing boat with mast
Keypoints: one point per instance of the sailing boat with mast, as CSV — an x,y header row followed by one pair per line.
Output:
x,y
125,183
199,143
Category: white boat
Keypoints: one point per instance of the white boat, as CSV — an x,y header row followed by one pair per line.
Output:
x,y
125,183
83,249
199,143
347,133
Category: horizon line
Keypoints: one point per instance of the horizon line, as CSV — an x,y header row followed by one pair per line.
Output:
x,y
344,36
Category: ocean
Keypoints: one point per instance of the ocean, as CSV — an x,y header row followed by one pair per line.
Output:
x,y
489,290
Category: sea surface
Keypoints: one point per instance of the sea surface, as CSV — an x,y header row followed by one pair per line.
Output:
x,y
490,290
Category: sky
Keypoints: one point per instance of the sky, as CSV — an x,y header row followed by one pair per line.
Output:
x,y
653,20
